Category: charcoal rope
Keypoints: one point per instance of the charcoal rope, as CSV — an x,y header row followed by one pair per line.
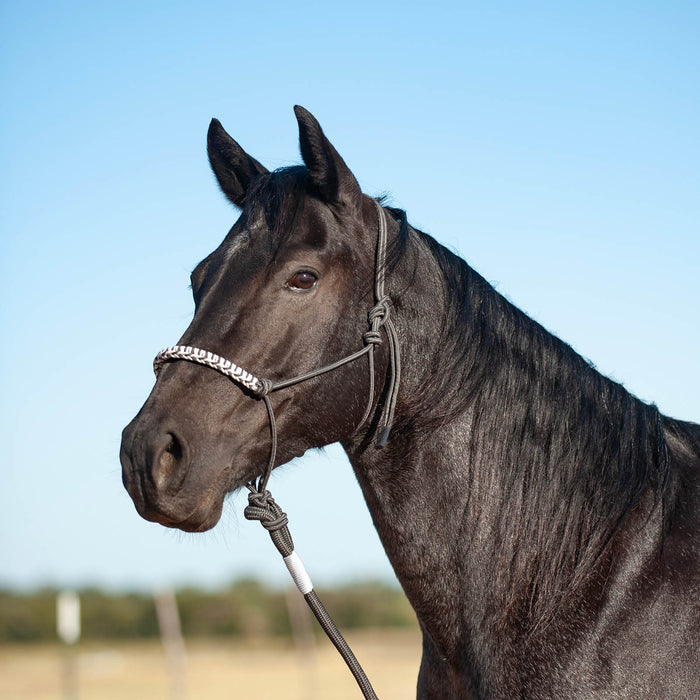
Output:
x,y
261,505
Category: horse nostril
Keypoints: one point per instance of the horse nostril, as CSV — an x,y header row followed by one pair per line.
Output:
x,y
168,462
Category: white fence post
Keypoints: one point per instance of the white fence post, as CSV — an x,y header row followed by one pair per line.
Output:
x,y
68,628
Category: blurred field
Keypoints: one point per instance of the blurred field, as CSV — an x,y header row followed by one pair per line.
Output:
x,y
216,670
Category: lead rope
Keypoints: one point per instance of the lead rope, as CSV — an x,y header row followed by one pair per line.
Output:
x,y
261,506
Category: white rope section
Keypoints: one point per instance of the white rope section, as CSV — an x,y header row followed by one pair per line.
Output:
x,y
298,572
208,359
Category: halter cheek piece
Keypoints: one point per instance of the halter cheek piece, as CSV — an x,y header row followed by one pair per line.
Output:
x,y
378,317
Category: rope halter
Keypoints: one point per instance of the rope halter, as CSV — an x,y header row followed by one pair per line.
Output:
x,y
378,317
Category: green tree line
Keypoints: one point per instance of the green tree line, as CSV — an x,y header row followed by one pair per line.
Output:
x,y
246,608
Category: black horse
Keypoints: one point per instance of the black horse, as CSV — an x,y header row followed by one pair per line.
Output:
x,y
543,522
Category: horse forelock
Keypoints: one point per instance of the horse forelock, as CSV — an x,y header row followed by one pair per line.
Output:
x,y
275,203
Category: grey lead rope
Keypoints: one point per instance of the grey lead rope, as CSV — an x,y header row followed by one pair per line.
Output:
x,y
261,505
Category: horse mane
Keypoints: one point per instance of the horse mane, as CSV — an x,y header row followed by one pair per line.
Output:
x,y
568,452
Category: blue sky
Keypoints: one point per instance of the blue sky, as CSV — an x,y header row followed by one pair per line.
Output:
x,y
556,146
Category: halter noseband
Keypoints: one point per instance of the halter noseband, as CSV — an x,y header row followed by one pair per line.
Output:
x,y
378,317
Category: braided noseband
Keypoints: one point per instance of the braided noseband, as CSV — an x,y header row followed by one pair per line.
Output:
x,y
209,359
378,317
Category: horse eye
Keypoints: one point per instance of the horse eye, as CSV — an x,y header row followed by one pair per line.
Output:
x,y
302,280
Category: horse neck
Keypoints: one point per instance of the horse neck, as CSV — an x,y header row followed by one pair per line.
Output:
x,y
502,482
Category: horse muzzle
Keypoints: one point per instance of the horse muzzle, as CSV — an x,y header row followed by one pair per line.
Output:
x,y
163,481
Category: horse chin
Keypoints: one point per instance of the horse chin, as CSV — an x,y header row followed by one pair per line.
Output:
x,y
204,517
206,514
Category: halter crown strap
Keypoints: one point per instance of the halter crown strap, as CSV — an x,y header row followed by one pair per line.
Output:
x,y
379,316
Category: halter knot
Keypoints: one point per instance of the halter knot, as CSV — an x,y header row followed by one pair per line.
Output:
x,y
264,388
380,312
261,506
372,338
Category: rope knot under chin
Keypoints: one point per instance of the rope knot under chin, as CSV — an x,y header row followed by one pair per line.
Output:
x,y
261,506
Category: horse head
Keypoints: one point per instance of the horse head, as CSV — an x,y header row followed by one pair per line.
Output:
x,y
287,291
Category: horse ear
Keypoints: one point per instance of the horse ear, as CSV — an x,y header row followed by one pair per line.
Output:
x,y
233,167
327,170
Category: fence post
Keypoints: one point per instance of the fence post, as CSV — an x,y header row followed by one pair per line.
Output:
x,y
173,643
68,628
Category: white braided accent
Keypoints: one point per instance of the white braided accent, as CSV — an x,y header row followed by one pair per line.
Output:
x,y
208,359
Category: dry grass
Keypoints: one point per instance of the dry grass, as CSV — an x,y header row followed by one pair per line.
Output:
x,y
216,670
